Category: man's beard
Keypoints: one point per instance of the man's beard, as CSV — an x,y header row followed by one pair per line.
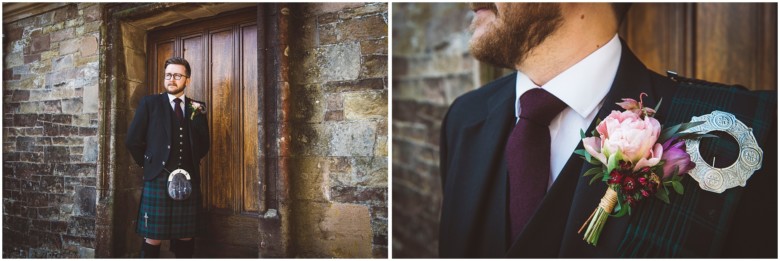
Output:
x,y
507,41
178,90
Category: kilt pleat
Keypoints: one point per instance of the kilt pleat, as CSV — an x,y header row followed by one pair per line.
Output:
x,y
160,217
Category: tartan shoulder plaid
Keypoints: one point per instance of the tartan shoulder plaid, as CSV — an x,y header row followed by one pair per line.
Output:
x,y
705,224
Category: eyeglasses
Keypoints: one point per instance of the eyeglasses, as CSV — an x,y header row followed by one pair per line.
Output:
x,y
175,76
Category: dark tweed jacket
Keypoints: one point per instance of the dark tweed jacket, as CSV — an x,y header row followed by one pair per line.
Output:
x,y
741,222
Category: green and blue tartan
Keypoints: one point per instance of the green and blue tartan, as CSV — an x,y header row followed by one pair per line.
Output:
x,y
705,224
160,217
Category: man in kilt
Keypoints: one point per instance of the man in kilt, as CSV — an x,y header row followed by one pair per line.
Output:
x,y
169,132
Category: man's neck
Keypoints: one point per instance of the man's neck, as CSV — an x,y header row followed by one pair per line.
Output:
x,y
585,29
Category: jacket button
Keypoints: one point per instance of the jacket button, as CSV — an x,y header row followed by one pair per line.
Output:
x,y
169,146
163,163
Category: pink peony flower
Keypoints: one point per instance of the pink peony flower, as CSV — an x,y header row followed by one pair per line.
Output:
x,y
630,135
675,156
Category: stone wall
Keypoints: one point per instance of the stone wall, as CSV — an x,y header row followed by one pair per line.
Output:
x,y
431,67
50,133
338,129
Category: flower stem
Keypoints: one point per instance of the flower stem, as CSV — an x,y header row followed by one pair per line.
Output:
x,y
598,219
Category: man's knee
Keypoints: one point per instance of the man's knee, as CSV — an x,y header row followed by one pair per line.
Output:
x,y
153,241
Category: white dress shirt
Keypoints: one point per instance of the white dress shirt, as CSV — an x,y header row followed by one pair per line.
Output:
x,y
582,87
170,99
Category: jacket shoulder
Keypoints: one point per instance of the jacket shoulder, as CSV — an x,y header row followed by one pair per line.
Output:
x,y
196,101
478,99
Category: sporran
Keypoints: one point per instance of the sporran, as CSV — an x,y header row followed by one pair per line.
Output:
x,y
179,185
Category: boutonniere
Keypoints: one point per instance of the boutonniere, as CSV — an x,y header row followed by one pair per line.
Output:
x,y
636,160
197,107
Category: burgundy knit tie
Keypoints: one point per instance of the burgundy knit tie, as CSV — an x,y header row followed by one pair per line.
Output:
x,y
179,112
528,155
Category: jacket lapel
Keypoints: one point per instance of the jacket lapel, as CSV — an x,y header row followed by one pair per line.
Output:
x,y
570,201
167,113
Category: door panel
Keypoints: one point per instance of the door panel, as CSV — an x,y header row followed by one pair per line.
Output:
x,y
194,53
222,118
251,185
222,52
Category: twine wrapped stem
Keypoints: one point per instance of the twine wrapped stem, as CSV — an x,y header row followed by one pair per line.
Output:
x,y
599,216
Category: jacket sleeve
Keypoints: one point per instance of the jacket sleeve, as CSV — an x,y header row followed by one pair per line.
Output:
x,y
201,125
136,134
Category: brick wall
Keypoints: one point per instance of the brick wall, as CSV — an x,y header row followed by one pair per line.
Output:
x,y
50,133
431,67
338,129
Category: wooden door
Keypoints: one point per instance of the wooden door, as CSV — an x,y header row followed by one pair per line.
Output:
x,y
732,43
222,52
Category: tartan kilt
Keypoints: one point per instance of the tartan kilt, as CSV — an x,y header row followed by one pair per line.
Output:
x,y
162,218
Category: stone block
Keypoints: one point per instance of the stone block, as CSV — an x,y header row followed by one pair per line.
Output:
x,y
381,146
365,105
90,147
308,37
363,10
359,85
88,46
374,47
328,34
71,106
15,59
308,181
347,230
92,13
68,12
374,66
328,18
20,95
52,107
86,201
53,184
136,65
74,22
63,62
63,34
359,195
328,7
307,69
82,226
56,154
32,58
351,138
337,115
85,252
309,139
363,28
92,27
69,46
40,42
339,62
334,101
307,103
91,99
365,172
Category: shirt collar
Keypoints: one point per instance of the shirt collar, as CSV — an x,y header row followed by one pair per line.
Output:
x,y
171,97
591,77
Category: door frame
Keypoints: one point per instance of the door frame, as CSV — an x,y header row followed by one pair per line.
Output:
x,y
121,87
